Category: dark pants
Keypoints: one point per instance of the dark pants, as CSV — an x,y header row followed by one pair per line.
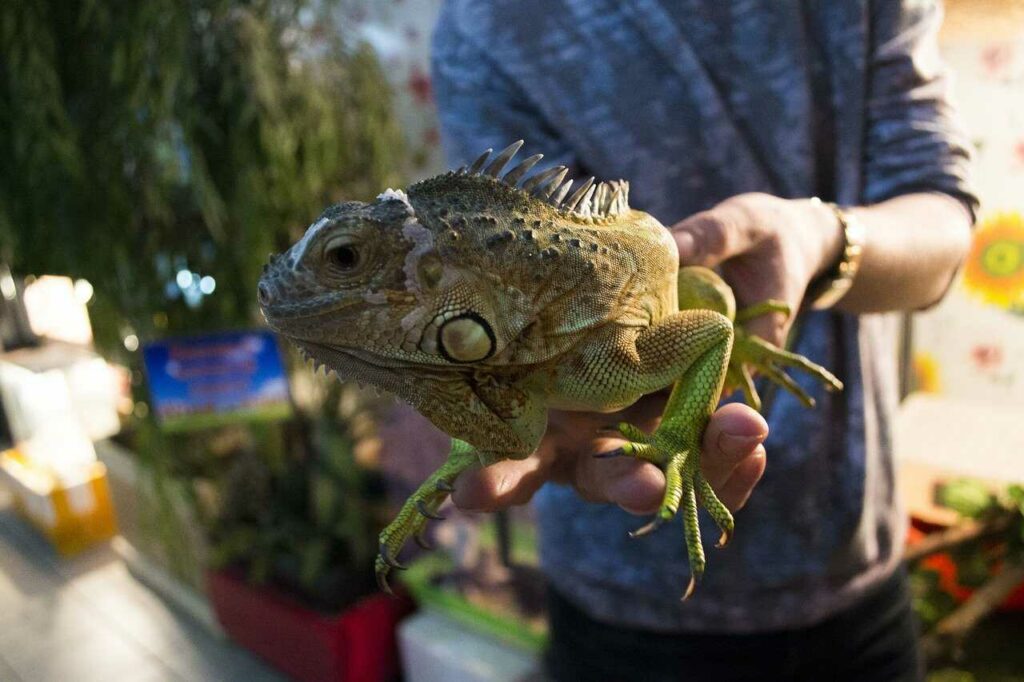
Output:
x,y
873,641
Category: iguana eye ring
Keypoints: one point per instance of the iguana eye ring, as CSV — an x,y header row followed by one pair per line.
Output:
x,y
342,254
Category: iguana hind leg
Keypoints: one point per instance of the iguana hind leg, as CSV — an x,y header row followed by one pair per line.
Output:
x,y
675,445
421,506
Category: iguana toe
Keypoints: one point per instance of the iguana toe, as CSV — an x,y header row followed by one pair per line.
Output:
x,y
752,352
421,507
675,450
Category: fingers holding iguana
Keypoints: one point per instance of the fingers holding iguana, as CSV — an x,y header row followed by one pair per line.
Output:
x,y
732,461
732,440
503,484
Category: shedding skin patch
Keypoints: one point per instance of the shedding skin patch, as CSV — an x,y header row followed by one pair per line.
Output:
x,y
299,249
396,195
422,241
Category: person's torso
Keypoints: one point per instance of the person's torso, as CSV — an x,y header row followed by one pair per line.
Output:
x,y
694,102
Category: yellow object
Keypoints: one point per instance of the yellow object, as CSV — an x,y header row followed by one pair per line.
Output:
x,y
926,373
72,515
995,266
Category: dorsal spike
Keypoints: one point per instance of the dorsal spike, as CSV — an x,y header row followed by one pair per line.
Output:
x,y
546,189
556,200
531,183
514,175
503,158
614,206
586,206
601,199
479,163
574,200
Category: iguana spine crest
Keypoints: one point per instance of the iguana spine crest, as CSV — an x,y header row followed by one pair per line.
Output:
x,y
603,200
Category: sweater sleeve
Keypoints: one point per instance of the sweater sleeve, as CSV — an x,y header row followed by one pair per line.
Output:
x,y
913,141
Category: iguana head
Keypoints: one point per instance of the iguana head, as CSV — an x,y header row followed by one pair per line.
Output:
x,y
442,277
344,284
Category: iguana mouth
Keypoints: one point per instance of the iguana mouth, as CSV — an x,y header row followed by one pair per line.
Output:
x,y
314,307
334,358
354,363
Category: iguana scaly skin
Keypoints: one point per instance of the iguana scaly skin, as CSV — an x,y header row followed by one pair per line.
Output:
x,y
484,303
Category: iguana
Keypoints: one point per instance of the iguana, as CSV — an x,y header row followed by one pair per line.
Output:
x,y
484,300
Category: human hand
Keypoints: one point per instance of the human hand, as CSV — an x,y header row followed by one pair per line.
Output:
x,y
732,460
766,247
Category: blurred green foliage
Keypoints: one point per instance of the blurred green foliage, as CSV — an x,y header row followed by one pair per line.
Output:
x,y
143,137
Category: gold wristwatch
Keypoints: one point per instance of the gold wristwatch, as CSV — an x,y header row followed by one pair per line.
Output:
x,y
828,289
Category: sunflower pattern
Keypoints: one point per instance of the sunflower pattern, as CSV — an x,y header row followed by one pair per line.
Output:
x,y
995,265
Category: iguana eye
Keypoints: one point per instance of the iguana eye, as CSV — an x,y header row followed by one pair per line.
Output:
x,y
342,254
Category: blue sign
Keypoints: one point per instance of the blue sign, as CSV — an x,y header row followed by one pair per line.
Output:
x,y
214,379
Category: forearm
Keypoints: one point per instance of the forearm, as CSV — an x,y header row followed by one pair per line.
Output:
x,y
914,244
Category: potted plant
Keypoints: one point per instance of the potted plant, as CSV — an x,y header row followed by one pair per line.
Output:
x,y
293,544
968,570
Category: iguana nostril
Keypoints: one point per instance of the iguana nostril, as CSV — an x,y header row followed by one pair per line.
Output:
x,y
263,294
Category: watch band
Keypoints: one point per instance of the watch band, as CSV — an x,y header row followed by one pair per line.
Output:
x,y
830,288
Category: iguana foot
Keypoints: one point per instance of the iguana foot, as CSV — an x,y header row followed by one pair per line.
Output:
x,y
421,507
752,352
675,448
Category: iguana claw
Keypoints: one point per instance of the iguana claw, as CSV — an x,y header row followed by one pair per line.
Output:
x,y
421,507
444,486
385,556
690,588
647,528
724,538
382,581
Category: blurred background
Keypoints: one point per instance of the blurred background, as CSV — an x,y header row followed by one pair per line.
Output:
x,y
182,498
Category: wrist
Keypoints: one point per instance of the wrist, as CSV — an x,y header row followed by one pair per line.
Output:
x,y
829,235
832,285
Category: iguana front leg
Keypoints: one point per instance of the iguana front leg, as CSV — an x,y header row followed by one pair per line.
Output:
x,y
421,506
692,348
502,420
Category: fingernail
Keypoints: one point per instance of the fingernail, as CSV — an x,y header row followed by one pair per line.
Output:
x,y
686,244
737,445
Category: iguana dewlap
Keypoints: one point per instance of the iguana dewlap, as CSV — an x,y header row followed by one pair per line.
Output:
x,y
484,301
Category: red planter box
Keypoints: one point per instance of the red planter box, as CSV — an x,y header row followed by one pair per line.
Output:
x,y
356,645
943,564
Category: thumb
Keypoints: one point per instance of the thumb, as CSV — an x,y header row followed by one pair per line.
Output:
x,y
501,485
